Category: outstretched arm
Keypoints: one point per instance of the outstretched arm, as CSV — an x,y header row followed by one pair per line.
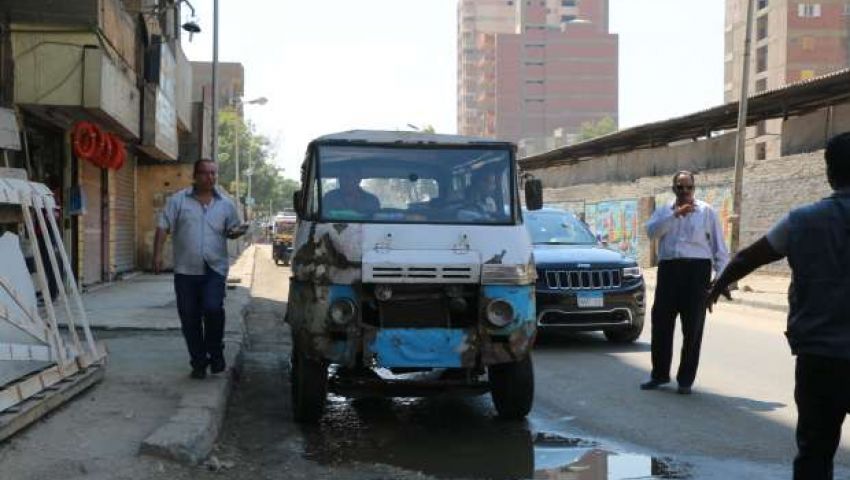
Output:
x,y
745,262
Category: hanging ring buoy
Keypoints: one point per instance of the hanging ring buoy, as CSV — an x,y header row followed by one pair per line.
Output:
x,y
104,149
116,159
84,138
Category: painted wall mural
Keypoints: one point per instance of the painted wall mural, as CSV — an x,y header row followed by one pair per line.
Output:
x,y
616,224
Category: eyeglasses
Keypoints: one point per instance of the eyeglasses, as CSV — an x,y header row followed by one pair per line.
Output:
x,y
684,188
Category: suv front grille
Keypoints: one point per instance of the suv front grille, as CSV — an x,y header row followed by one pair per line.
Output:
x,y
583,279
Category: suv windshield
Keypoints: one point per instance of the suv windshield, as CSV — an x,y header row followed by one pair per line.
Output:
x,y
557,228
416,185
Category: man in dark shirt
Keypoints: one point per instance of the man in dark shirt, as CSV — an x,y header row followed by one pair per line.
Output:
x,y
350,197
816,240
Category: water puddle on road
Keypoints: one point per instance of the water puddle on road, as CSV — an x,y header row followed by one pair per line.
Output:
x,y
453,439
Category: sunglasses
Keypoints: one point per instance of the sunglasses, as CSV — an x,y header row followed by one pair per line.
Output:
x,y
684,188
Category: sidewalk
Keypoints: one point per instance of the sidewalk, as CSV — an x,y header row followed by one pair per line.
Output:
x,y
757,290
144,305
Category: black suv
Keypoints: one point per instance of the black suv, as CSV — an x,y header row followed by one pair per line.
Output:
x,y
582,286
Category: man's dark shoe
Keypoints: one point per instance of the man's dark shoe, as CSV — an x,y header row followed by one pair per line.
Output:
x,y
683,390
653,384
217,366
199,373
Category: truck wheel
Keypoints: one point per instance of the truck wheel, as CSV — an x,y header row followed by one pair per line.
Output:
x,y
625,335
512,388
309,388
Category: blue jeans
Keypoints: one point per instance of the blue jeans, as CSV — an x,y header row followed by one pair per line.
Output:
x,y
200,304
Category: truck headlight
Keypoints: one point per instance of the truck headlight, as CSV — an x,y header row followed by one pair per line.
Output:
x,y
631,272
342,312
508,274
499,313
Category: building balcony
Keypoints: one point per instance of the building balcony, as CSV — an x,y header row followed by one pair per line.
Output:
x,y
65,77
160,103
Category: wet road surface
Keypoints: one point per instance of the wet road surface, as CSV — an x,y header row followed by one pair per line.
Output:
x,y
589,420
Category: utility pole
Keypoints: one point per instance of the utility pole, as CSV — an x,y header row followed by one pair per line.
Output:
x,y
741,144
214,125
236,161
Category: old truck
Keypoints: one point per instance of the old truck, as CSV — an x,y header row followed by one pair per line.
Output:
x,y
413,273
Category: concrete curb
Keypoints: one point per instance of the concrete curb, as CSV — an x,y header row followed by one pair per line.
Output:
x,y
189,435
743,301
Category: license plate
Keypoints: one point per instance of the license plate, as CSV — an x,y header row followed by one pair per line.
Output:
x,y
590,299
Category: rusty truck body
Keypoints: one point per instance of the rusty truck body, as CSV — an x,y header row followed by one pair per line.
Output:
x,y
412,272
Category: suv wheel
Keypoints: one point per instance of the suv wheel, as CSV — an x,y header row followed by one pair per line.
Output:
x,y
512,388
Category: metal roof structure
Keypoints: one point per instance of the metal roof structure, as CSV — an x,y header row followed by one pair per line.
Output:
x,y
791,100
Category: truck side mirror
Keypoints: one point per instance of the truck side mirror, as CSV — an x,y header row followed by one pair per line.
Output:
x,y
296,203
533,194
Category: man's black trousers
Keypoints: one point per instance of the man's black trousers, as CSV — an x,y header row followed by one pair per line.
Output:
x,y
680,290
200,304
822,394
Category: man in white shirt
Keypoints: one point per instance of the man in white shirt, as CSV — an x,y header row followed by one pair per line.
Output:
x,y
690,243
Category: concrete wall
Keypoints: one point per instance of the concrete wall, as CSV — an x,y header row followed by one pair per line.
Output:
x,y
771,189
718,152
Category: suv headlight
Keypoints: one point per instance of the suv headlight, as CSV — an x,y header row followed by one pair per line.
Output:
x,y
631,272
508,274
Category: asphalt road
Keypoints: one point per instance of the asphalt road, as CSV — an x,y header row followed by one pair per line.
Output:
x,y
590,420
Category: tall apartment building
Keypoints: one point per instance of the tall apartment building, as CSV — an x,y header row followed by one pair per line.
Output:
x,y
532,71
792,41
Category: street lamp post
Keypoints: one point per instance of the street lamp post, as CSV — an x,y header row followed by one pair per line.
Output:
x,y
235,102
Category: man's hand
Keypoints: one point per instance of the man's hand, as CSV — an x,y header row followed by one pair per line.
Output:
x,y
237,231
714,292
683,210
157,264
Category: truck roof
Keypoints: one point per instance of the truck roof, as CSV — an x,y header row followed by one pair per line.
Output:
x,y
412,138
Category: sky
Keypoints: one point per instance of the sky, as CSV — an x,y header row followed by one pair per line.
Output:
x,y
334,65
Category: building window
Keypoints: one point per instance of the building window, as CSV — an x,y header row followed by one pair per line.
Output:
x,y
761,28
567,18
808,10
761,85
761,59
761,151
568,3
807,74
807,43
510,2
762,4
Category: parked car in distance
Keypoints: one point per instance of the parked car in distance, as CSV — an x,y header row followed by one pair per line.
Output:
x,y
581,285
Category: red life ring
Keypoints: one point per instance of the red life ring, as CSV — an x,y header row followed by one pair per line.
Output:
x,y
119,154
84,138
104,150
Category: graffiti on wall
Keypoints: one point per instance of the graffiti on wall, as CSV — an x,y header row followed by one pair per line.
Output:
x,y
719,197
615,223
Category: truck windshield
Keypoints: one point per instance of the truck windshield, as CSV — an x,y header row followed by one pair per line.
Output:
x,y
557,228
416,185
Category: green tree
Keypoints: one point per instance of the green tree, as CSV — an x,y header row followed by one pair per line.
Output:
x,y
592,129
267,182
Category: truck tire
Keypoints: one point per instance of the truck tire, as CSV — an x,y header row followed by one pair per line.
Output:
x,y
512,388
309,387
625,335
